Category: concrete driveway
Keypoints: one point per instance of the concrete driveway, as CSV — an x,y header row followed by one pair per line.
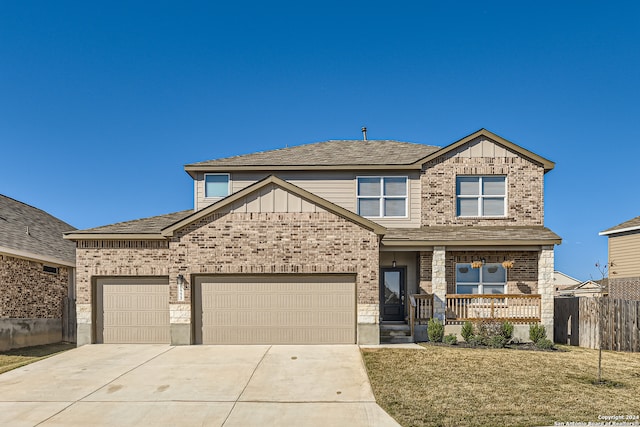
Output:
x,y
160,385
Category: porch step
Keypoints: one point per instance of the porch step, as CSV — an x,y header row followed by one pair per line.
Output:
x,y
395,333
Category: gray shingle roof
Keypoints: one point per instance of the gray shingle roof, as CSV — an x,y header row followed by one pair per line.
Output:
x,y
332,153
475,233
632,223
151,225
45,231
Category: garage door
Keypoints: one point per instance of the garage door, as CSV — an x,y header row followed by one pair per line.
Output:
x,y
133,311
276,310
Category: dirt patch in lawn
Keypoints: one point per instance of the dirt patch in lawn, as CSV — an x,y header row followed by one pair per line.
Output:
x,y
449,386
23,356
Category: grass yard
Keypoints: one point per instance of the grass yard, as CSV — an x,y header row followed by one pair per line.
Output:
x,y
23,356
449,386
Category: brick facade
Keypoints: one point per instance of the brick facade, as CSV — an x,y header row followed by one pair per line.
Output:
x,y
525,181
118,258
266,243
237,243
627,288
28,292
521,279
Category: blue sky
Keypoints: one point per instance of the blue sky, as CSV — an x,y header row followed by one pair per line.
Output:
x,y
102,103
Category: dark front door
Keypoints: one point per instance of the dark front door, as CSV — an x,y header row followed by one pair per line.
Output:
x,y
392,293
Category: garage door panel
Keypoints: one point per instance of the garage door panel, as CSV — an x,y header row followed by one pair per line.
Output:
x,y
134,311
265,310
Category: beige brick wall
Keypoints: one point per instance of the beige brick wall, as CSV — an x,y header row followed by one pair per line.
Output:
x,y
117,258
264,243
525,182
245,243
521,279
27,292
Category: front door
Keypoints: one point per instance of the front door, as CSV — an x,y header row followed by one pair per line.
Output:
x,y
392,293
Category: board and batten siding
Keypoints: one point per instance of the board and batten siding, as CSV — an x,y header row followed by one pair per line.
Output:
x,y
624,254
338,187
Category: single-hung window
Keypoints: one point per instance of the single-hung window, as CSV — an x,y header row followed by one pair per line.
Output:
x,y
489,279
481,195
216,185
382,196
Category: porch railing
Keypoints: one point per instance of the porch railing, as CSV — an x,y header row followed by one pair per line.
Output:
x,y
420,309
516,308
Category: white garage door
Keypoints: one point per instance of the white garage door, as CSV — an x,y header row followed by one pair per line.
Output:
x,y
133,311
276,309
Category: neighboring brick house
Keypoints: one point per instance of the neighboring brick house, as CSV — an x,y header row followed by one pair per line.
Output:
x,y
327,243
624,260
36,274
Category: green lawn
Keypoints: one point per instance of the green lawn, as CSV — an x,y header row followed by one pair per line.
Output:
x,y
451,386
23,356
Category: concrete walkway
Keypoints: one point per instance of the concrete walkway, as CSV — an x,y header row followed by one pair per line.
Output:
x,y
160,385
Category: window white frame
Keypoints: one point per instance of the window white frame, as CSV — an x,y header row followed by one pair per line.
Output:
x,y
382,197
204,185
480,196
481,283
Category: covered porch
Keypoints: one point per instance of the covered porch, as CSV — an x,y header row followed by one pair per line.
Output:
x,y
481,276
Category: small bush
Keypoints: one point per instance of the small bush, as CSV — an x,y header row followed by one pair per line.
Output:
x,y
544,343
451,339
467,331
435,330
497,341
506,330
537,333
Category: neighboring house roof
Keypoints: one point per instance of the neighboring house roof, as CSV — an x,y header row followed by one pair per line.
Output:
x,y
352,154
631,225
563,279
29,232
163,226
470,236
586,287
144,228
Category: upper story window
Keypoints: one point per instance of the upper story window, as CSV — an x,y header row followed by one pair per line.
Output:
x,y
481,196
382,196
491,278
216,185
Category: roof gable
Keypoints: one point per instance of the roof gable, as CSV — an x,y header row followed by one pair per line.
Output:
x,y
30,232
547,164
268,188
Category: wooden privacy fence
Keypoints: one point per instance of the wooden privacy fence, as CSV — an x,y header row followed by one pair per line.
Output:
x,y
68,319
577,321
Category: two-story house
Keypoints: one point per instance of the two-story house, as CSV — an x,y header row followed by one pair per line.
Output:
x,y
624,260
326,242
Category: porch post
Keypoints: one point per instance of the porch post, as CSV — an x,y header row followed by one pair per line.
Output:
x,y
545,287
439,282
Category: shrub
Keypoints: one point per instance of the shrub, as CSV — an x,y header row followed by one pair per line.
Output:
x,y
467,331
497,341
506,330
435,330
451,339
544,343
537,333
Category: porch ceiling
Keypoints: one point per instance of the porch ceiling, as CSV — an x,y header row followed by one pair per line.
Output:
x,y
470,236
